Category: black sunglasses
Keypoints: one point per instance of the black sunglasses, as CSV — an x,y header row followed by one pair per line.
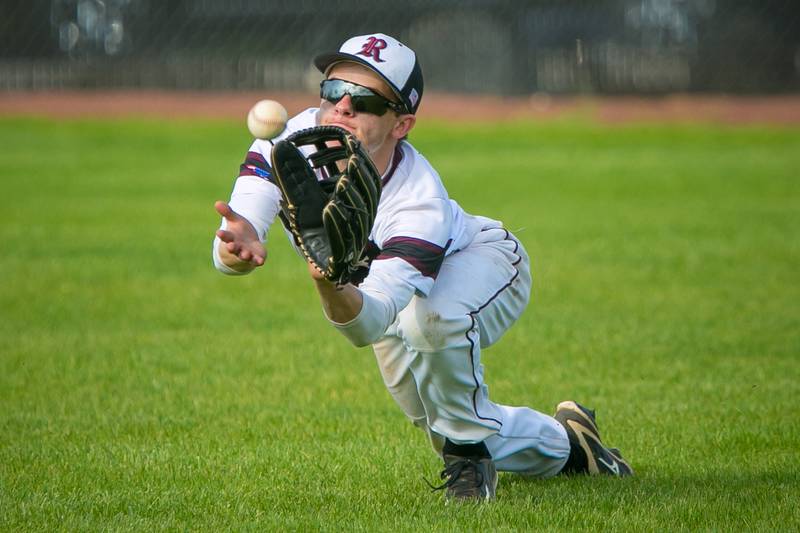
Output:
x,y
364,100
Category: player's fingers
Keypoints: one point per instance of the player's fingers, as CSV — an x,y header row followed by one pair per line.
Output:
x,y
225,210
254,258
256,254
225,236
233,247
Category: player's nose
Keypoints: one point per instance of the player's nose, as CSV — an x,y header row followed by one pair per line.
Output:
x,y
345,105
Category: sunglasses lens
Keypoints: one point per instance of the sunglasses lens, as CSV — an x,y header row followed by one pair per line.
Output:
x,y
331,91
369,104
364,100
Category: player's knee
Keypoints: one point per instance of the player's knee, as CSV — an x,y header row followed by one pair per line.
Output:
x,y
426,327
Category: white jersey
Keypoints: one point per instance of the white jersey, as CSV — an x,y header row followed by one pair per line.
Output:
x,y
416,227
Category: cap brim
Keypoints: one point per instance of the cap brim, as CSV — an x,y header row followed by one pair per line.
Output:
x,y
325,61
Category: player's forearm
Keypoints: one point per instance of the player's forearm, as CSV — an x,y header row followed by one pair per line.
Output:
x,y
340,304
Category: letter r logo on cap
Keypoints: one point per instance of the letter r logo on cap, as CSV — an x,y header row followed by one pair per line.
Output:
x,y
372,48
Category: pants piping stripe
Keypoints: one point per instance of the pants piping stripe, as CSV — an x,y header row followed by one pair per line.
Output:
x,y
472,326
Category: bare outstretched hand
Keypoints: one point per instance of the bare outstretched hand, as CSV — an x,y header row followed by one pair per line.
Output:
x,y
240,249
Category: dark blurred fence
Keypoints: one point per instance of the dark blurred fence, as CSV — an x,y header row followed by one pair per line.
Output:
x,y
500,46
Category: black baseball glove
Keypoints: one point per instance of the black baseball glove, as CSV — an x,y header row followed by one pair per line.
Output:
x,y
329,219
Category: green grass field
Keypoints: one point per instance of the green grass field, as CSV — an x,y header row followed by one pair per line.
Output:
x,y
142,390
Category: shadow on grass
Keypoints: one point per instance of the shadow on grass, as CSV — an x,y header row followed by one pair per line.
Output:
x,y
745,487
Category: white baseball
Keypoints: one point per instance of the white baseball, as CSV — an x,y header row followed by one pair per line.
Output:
x,y
266,119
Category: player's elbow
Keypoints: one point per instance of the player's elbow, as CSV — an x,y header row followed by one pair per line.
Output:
x,y
356,336
362,342
371,322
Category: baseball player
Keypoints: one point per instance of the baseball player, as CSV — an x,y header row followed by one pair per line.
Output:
x,y
441,286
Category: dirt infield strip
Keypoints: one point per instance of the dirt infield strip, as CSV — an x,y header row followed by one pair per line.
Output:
x,y
677,108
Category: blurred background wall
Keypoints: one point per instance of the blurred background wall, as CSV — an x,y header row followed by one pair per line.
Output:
x,y
472,46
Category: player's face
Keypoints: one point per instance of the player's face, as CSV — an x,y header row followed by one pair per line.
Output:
x,y
371,129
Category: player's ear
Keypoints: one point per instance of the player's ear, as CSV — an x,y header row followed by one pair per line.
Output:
x,y
403,125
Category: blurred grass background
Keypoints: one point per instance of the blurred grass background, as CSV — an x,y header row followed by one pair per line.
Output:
x,y
140,389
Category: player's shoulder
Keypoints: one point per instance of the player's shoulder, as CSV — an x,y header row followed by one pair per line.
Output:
x,y
413,159
303,120
411,171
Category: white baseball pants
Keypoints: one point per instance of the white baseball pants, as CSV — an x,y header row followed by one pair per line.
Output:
x,y
430,358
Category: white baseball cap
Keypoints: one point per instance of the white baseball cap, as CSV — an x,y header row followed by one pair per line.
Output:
x,y
393,61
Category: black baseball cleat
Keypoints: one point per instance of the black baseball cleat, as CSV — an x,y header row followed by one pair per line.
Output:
x,y
587,452
468,478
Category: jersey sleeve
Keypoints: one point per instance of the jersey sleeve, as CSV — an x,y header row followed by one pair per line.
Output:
x,y
418,234
255,195
412,251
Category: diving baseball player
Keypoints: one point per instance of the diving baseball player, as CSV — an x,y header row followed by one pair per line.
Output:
x,y
432,286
